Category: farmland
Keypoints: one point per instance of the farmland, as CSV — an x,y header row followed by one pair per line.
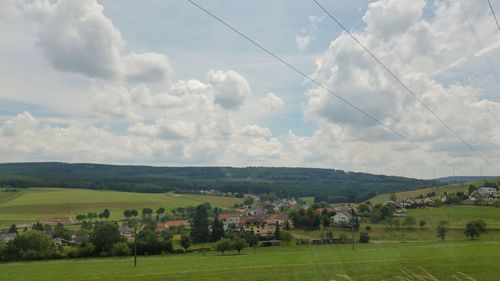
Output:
x,y
33,204
326,262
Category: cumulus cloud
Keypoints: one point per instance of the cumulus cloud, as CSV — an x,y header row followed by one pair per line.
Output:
x,y
272,102
230,88
308,35
76,36
414,48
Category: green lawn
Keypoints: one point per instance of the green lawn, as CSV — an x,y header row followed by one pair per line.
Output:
x,y
478,259
33,204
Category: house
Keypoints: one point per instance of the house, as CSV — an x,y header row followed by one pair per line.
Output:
x,y
79,239
486,192
395,204
277,219
6,237
63,242
428,202
342,217
230,220
253,224
126,231
408,203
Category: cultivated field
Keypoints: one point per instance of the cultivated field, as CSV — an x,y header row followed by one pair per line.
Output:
x,y
478,259
34,204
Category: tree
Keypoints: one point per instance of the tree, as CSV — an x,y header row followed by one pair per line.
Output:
x,y
277,234
217,230
134,213
473,229
186,242
167,245
239,244
422,223
127,214
364,237
148,242
248,201
329,234
160,211
286,237
199,231
38,226
442,230
61,232
251,238
86,249
409,222
104,236
81,217
472,188
121,249
31,245
12,229
146,212
223,245
106,213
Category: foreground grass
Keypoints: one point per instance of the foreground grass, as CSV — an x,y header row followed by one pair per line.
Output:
x,y
478,259
34,204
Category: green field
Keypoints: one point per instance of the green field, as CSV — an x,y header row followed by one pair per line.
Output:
x,y
478,259
29,205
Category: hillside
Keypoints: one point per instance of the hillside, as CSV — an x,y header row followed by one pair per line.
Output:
x,y
438,190
35,204
324,184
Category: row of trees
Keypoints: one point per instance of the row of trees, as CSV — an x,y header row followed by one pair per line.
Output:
x,y
473,229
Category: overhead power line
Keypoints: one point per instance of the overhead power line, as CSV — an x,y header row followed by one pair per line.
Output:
x,y
476,36
301,73
494,15
470,147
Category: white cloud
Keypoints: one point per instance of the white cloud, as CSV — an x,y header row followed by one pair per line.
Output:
x,y
148,67
76,36
255,131
230,88
414,48
272,102
307,36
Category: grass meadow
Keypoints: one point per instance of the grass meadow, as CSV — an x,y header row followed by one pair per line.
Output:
x,y
478,259
32,204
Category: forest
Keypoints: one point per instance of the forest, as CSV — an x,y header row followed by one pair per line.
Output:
x,y
326,185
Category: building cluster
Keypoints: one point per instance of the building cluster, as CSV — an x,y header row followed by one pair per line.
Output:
x,y
260,218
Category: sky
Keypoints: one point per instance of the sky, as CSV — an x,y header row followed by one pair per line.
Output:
x,y
161,83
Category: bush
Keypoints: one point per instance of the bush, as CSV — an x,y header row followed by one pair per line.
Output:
x,y
186,242
86,249
223,245
31,245
167,246
368,228
120,249
364,237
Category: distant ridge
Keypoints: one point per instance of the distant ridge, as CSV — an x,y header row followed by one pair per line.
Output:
x,y
327,185
461,179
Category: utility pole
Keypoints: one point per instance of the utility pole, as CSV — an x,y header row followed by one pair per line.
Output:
x,y
352,226
135,244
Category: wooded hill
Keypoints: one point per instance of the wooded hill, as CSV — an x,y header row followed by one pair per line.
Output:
x,y
324,184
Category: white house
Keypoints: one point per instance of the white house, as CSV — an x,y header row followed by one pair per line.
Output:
x,y
230,219
342,217
487,191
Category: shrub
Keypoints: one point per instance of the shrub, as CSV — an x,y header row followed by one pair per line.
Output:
x,y
120,249
86,249
364,237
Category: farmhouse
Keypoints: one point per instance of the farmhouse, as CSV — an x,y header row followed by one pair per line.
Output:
x,y
487,192
342,217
